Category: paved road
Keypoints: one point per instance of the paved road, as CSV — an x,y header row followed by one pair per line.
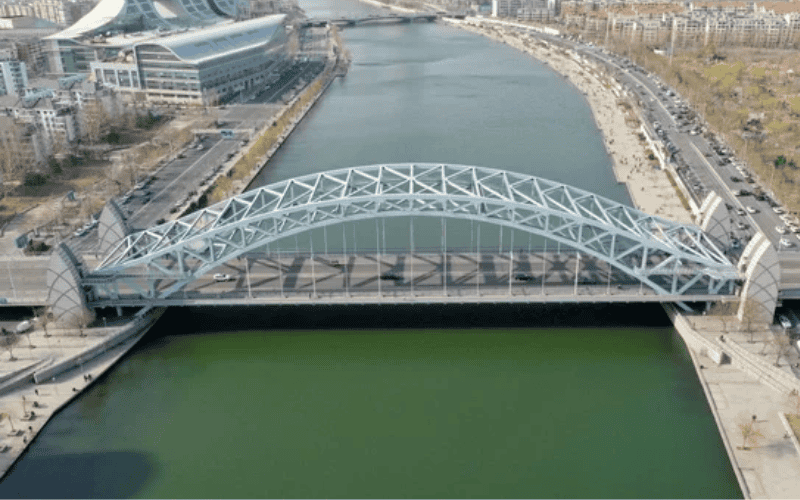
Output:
x,y
400,275
23,280
707,165
697,152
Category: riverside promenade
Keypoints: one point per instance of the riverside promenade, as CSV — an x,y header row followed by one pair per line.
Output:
x,y
50,370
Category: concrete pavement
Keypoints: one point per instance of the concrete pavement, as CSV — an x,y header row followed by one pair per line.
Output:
x,y
746,386
64,363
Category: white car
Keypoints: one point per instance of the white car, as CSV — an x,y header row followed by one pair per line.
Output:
x,y
784,321
786,243
222,277
751,210
23,327
781,229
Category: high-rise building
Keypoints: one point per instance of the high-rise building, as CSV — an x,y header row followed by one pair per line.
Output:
x,y
13,77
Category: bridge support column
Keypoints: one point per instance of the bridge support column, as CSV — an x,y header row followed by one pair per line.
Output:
x,y
65,292
759,263
714,218
112,227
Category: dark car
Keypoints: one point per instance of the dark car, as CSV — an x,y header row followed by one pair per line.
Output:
x,y
391,277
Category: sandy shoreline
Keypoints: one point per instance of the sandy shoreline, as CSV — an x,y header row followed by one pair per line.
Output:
x,y
649,187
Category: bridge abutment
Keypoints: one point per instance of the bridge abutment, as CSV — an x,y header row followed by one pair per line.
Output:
x,y
714,216
112,227
761,268
65,292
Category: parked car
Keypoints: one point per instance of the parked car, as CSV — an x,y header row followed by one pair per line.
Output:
x,y
784,321
23,327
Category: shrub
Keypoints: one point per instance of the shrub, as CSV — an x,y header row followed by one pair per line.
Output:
x,y
113,137
35,179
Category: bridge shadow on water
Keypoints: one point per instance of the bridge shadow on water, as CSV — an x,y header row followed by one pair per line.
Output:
x,y
115,474
187,320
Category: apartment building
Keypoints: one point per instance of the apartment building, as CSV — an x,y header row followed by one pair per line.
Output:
x,y
13,77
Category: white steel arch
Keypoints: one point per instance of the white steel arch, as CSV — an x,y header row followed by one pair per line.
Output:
x,y
667,256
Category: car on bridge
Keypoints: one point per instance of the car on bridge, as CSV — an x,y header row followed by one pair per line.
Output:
x,y
391,277
222,277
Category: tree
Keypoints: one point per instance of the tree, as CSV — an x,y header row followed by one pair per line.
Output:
x,y
8,339
94,120
753,316
10,422
749,433
724,311
44,318
782,343
80,320
794,401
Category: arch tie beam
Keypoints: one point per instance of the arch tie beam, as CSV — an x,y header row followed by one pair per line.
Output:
x,y
667,256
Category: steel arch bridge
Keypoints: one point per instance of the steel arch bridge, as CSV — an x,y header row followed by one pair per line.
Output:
x,y
669,257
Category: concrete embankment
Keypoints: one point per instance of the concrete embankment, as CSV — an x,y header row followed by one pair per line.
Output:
x,y
746,388
59,365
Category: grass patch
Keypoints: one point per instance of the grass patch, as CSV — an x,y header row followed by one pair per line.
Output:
x,y
794,104
794,422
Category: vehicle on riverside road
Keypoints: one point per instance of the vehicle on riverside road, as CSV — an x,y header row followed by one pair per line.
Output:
x,y
23,327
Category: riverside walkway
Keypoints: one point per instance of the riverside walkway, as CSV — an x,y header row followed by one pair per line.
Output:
x,y
51,367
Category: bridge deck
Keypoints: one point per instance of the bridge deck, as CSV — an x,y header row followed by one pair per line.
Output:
x,y
400,278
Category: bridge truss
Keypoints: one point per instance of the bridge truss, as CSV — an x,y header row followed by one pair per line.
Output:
x,y
669,257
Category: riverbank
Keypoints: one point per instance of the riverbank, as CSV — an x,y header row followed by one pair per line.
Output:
x,y
616,117
50,370
746,387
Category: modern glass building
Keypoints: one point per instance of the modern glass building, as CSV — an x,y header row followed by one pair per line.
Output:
x,y
112,21
200,65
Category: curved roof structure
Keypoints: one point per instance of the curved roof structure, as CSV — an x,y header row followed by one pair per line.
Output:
x,y
114,15
196,46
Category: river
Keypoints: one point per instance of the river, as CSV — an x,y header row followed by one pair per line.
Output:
x,y
403,401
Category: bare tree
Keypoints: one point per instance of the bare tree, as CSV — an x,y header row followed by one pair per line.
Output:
x,y
78,320
94,120
8,339
793,399
783,344
725,312
10,422
44,318
749,433
753,317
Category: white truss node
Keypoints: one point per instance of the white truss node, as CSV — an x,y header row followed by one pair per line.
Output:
x,y
669,257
